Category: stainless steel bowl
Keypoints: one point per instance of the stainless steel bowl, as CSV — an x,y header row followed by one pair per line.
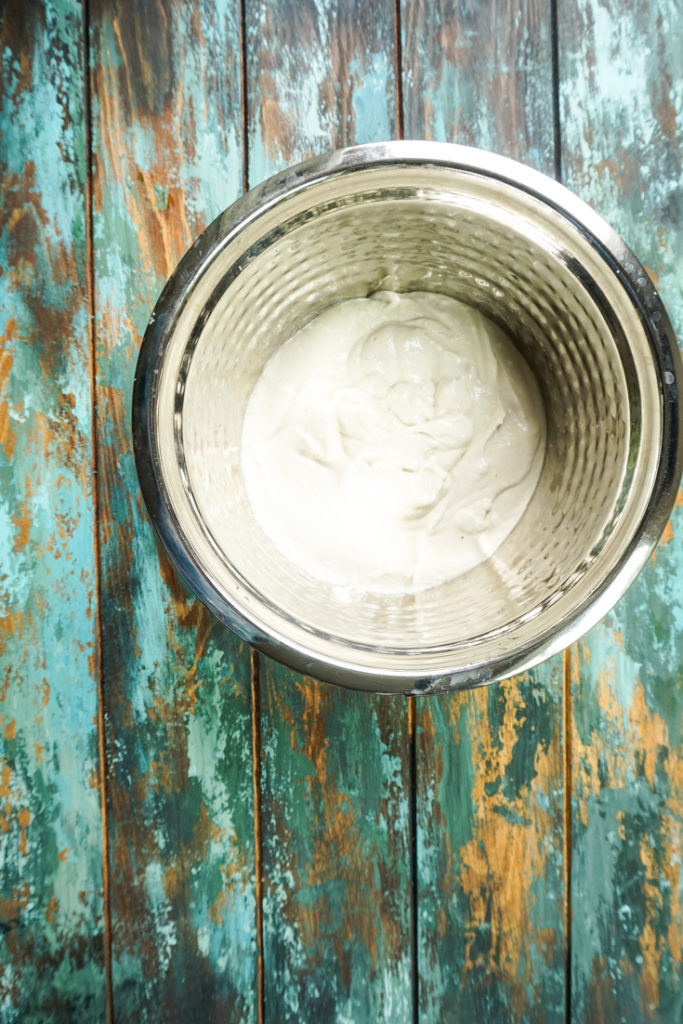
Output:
x,y
430,217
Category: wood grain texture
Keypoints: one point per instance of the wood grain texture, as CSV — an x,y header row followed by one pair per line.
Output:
x,y
335,853
480,75
621,104
335,767
51,911
320,75
168,153
490,853
334,776
491,941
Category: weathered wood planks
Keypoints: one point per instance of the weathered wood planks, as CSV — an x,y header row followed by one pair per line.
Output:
x,y
621,98
168,158
335,853
321,74
51,905
490,835
335,766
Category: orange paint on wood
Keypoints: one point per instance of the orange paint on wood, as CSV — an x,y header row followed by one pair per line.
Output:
x,y
654,277
315,701
666,538
52,909
5,779
610,705
8,437
12,906
216,909
641,730
164,776
650,734
651,943
496,895
162,235
22,519
668,533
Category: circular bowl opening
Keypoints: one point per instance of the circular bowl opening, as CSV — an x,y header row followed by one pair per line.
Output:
x,y
528,254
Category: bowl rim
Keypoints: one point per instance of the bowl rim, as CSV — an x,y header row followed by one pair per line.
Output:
x,y
405,153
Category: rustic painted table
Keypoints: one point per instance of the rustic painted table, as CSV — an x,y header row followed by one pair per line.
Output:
x,y
188,831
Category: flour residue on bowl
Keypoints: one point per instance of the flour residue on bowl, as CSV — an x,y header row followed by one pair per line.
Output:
x,y
393,442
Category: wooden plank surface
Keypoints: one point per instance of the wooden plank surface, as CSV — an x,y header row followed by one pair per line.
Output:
x,y
335,766
338,776
490,834
167,143
621,98
51,908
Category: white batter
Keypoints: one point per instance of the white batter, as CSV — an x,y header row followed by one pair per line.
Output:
x,y
393,442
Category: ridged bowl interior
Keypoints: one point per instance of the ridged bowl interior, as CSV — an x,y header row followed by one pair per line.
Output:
x,y
525,264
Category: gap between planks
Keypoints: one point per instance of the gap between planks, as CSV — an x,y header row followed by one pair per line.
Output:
x,y
253,654
398,69
566,655
567,830
412,713
258,860
555,71
412,838
90,292
243,94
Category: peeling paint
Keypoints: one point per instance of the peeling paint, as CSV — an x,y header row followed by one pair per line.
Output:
x,y
49,693
166,130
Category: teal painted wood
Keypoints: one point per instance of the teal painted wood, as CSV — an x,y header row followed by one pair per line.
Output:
x,y
336,866
480,75
491,943
621,104
335,765
51,909
168,158
320,75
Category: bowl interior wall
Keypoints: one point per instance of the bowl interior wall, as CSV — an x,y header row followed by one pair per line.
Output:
x,y
497,259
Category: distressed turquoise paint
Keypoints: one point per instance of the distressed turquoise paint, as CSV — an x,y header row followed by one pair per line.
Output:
x,y
335,765
336,871
621,102
489,829
166,134
625,866
51,957
489,764
370,82
480,75
327,80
